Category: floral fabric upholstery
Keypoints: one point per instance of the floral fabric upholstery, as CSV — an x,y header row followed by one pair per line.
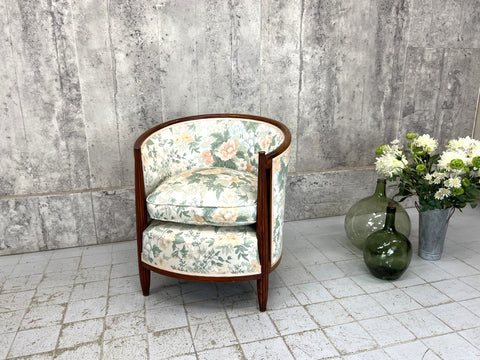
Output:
x,y
214,196
177,157
279,183
217,142
201,250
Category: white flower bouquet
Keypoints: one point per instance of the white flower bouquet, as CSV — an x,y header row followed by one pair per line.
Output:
x,y
440,181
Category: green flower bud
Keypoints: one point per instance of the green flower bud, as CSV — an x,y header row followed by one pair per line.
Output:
x,y
379,150
465,182
411,136
420,168
476,161
457,164
458,191
419,153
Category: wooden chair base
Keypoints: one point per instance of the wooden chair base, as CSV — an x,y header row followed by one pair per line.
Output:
x,y
262,281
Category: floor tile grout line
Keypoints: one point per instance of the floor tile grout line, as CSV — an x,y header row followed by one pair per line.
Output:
x,y
192,338
23,317
232,327
107,303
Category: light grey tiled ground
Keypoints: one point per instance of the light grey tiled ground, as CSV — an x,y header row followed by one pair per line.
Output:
x,y
86,303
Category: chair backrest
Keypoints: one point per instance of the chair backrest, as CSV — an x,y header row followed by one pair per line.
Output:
x,y
206,142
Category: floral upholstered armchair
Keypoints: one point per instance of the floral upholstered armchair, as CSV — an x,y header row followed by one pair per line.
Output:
x,y
210,195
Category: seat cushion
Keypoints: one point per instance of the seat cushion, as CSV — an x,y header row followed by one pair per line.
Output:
x,y
213,196
201,250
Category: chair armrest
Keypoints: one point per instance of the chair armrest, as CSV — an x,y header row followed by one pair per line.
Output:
x,y
278,189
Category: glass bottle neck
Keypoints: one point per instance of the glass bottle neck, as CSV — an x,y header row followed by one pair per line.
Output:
x,y
390,219
380,189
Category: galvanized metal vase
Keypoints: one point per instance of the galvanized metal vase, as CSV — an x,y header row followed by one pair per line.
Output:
x,y
432,230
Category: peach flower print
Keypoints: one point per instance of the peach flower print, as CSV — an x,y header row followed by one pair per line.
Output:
x,y
184,138
198,220
266,141
167,240
228,239
255,266
212,171
207,157
228,150
225,215
186,174
276,165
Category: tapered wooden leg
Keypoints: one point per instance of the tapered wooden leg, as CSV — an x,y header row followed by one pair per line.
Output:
x,y
262,292
144,280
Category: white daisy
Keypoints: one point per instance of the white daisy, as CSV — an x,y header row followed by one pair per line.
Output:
x,y
429,178
426,143
388,165
454,182
442,193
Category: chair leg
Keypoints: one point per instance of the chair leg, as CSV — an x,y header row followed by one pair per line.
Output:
x,y
144,280
262,292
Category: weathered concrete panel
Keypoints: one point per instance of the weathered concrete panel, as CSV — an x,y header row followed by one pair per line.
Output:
x,y
471,24
67,220
20,228
53,153
459,93
13,177
437,23
46,222
420,92
70,118
326,193
421,20
214,56
352,58
137,80
445,24
280,65
354,63
246,42
114,213
318,87
90,22
383,92
177,27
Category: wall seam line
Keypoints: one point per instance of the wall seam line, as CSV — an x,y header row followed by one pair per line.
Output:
x,y
70,192
300,75
17,87
115,85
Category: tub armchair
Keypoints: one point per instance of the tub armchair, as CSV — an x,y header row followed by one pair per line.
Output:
x,y
210,196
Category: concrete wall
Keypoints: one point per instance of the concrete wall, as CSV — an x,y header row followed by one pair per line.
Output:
x,y
80,80
476,130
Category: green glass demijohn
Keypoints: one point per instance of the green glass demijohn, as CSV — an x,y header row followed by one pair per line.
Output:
x,y
368,215
387,253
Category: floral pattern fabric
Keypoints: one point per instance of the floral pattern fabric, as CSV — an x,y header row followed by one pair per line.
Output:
x,y
201,250
211,143
279,184
214,196
216,142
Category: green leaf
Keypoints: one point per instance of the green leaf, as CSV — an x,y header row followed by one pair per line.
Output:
x,y
178,239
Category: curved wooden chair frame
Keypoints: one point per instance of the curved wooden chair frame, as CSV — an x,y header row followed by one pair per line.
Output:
x,y
264,201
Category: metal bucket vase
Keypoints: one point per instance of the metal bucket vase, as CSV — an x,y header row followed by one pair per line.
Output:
x,y
432,230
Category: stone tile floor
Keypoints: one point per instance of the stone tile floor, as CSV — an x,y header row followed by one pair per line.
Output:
x,y
86,303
